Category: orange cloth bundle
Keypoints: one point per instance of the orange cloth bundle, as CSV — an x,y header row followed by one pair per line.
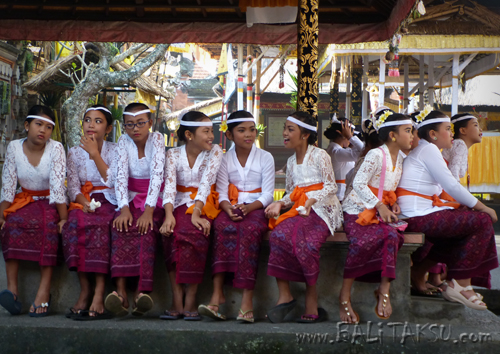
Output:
x,y
211,208
87,188
234,192
369,216
24,198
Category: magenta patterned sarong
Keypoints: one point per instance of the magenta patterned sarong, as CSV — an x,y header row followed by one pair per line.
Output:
x,y
87,238
439,268
141,186
373,250
132,254
463,239
30,234
294,248
236,246
186,249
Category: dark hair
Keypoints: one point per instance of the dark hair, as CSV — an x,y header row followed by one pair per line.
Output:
x,y
332,132
36,110
107,115
192,116
423,133
136,107
306,118
382,111
235,115
383,133
370,135
460,124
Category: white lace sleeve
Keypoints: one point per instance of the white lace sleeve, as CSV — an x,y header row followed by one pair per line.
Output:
x,y
458,160
74,184
223,181
370,167
210,174
9,175
121,181
170,174
111,172
58,175
156,171
329,189
289,185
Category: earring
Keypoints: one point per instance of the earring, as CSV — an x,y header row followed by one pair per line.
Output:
x,y
189,138
435,138
393,139
303,138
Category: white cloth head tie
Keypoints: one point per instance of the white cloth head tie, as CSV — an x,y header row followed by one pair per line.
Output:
x,y
433,121
196,124
98,109
463,118
302,124
137,113
334,119
240,120
41,118
396,122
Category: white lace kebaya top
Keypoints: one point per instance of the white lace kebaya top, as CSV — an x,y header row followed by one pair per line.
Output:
x,y
425,172
457,158
49,174
343,160
361,197
149,167
82,169
316,168
202,176
257,173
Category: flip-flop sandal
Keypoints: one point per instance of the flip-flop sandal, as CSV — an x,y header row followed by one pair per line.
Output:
x,y
169,315
426,293
384,297
72,312
85,316
245,319
9,301
206,311
144,304
278,313
42,305
192,316
320,317
114,304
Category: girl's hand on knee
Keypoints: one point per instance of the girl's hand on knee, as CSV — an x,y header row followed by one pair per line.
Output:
x,y
492,213
273,210
60,225
168,226
386,214
201,224
123,221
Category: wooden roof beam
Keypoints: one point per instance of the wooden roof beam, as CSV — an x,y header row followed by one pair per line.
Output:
x,y
203,10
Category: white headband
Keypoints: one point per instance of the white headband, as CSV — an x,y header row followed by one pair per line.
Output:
x,y
137,113
240,120
42,118
432,121
396,122
196,124
463,118
302,124
98,109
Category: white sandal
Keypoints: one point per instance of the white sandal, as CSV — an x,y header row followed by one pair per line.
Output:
x,y
454,295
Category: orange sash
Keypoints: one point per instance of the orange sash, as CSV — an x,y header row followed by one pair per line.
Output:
x,y
211,207
340,181
87,188
299,197
369,216
436,201
234,192
24,198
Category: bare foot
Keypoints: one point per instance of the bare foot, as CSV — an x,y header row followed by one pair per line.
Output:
x,y
384,307
347,314
97,306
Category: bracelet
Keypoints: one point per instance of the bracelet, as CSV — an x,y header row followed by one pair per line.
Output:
x,y
196,208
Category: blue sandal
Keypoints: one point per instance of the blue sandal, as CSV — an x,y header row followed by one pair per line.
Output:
x,y
9,301
42,305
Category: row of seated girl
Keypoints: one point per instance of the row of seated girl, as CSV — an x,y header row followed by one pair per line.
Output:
x,y
458,228
174,194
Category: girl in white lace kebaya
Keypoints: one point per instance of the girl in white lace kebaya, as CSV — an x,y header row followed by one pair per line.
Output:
x,y
374,242
191,204
32,218
87,234
341,135
246,185
138,184
315,213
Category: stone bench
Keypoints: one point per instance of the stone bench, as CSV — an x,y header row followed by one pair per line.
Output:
x,y
65,287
